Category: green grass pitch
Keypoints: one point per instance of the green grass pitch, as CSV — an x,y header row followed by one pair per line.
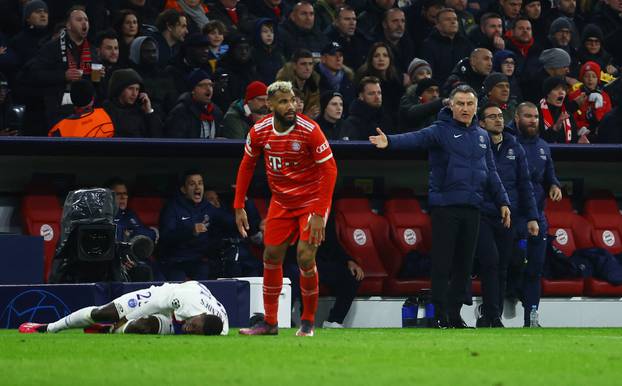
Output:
x,y
349,357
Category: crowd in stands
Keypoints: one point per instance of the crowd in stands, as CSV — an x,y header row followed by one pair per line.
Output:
x,y
197,69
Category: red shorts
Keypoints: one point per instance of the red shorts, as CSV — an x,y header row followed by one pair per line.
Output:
x,y
284,225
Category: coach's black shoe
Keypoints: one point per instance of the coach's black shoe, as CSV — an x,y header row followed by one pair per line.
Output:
x,y
483,322
497,323
458,322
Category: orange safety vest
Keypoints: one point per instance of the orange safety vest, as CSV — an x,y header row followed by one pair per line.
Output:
x,y
94,124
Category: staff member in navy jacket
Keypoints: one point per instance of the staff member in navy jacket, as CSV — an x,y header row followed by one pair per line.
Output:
x,y
544,180
462,167
186,239
495,243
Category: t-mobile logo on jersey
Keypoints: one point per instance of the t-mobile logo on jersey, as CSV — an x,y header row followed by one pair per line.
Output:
x,y
275,162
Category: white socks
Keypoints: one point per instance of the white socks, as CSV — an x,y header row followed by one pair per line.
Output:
x,y
79,319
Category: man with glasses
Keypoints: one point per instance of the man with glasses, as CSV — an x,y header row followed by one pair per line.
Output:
x,y
495,243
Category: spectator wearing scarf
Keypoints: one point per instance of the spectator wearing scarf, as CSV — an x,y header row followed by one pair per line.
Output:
x,y
195,116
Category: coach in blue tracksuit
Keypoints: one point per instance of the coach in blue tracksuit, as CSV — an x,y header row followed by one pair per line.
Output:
x,y
544,182
186,235
495,243
462,167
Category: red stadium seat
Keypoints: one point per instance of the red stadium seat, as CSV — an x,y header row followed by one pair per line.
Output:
x,y
41,215
358,230
410,230
603,213
605,216
570,232
147,209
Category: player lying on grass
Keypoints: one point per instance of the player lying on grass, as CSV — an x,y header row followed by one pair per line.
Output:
x,y
186,308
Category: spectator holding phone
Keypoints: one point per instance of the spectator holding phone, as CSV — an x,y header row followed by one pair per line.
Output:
x,y
130,107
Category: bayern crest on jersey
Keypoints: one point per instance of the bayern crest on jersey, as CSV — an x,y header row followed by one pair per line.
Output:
x,y
296,146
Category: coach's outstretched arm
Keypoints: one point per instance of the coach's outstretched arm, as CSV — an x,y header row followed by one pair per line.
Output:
x,y
424,139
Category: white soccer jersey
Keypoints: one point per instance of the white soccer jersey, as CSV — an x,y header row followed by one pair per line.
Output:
x,y
177,301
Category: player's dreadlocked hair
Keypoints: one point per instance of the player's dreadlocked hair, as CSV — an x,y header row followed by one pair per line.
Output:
x,y
279,86
212,325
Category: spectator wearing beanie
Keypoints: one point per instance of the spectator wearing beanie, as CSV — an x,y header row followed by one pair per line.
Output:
x,y
596,104
420,105
557,124
592,49
86,122
144,59
331,113
244,112
504,61
130,107
560,36
418,69
36,31
195,116
567,9
553,62
496,89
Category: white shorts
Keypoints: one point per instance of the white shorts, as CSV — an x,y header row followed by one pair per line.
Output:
x,y
139,301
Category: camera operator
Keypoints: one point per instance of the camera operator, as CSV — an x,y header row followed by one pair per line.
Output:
x,y
128,227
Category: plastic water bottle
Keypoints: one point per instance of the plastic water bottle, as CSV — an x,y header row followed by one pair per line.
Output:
x,y
409,313
533,316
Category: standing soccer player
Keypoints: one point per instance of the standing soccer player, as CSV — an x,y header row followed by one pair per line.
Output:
x,y
301,174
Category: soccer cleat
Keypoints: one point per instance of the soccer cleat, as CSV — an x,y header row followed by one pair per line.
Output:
x,y
98,328
306,328
328,324
261,328
31,328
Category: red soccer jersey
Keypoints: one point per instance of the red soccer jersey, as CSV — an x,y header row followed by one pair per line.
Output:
x,y
293,161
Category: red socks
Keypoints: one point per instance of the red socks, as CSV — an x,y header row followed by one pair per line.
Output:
x,y
272,284
310,292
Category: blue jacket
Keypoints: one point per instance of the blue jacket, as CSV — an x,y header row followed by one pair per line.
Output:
x,y
461,162
541,169
126,220
177,240
513,170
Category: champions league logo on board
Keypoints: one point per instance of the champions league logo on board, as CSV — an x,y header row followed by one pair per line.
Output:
x,y
31,305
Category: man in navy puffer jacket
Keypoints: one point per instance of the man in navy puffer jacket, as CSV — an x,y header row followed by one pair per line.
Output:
x,y
462,168
495,243
186,238
544,182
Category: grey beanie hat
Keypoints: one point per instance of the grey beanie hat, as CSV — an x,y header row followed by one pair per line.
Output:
x,y
32,6
417,65
554,58
559,24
